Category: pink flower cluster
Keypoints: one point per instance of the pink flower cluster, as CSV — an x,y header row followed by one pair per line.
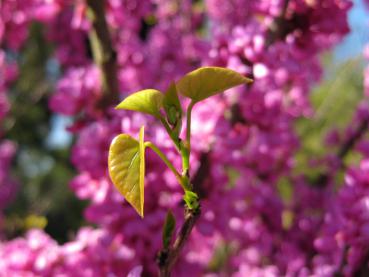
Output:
x,y
92,253
244,139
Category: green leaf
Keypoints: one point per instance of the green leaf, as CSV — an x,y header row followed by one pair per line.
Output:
x,y
168,229
127,168
172,105
191,199
208,81
146,101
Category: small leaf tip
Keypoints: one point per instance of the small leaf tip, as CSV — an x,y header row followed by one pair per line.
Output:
x,y
249,80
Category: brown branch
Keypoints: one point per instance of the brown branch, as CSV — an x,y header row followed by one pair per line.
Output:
x,y
168,257
103,52
323,179
363,269
277,29
351,142
342,264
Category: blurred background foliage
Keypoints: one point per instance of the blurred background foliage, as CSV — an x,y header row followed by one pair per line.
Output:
x,y
43,169
334,102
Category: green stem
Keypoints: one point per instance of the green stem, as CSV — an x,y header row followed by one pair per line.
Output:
x,y
168,163
103,51
185,160
170,132
188,130
186,147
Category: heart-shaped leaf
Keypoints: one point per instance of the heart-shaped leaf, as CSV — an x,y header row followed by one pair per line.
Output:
x,y
207,81
146,101
127,168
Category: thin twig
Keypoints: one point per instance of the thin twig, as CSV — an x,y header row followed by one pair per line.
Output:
x,y
103,52
323,179
351,142
167,258
277,30
363,269
342,264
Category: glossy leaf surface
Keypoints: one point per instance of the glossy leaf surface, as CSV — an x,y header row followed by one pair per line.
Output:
x,y
127,168
208,81
146,101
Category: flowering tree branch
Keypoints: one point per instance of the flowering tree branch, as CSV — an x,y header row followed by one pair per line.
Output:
x,y
104,53
274,33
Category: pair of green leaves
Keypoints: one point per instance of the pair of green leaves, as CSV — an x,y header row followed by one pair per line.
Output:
x,y
127,155
196,85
